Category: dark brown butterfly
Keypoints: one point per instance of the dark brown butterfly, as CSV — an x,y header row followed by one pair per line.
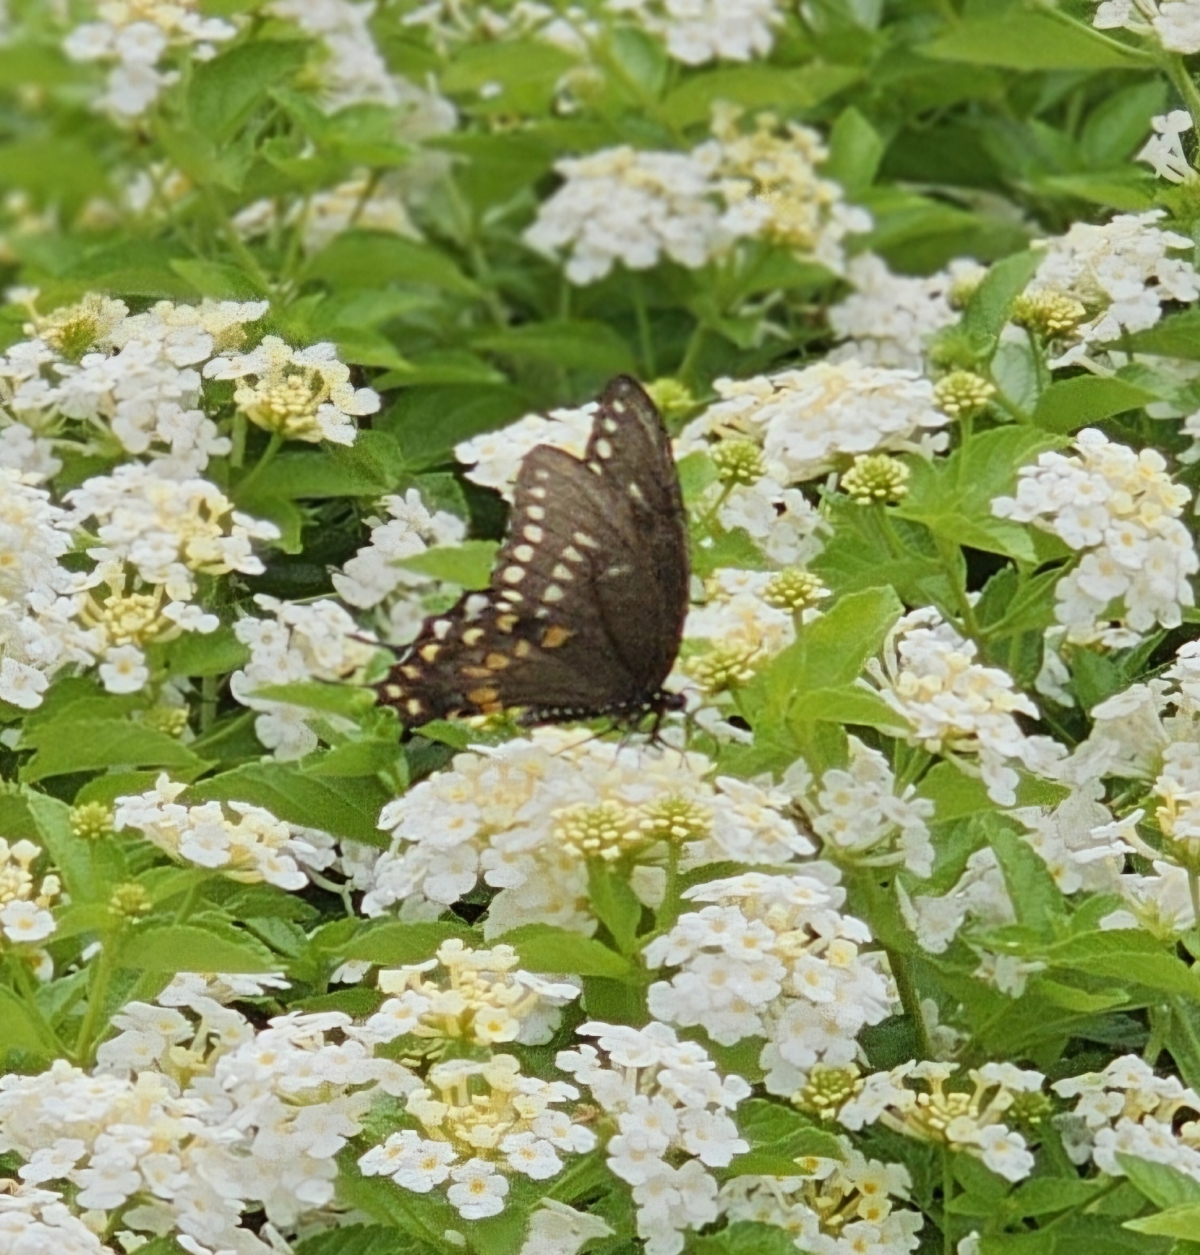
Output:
x,y
585,608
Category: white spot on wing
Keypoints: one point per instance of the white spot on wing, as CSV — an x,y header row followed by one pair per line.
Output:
x,y
513,574
523,553
533,534
553,593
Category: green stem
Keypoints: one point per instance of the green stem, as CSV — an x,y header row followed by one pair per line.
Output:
x,y
97,994
22,981
188,904
208,702
692,353
243,486
947,1194
237,440
1184,84
949,552
910,999
1194,891
645,333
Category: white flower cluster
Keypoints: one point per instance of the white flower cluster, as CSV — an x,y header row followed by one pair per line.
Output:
x,y
299,394
193,1118
1175,24
782,522
25,903
1127,1110
636,208
40,1223
859,816
485,1120
980,894
353,70
1164,149
970,1123
699,31
168,530
888,320
1122,272
1120,509
955,706
134,38
1074,840
832,1206
254,847
373,575
298,643
449,24
773,957
38,634
739,629
129,380
494,458
811,421
672,1112
358,203
524,818
480,997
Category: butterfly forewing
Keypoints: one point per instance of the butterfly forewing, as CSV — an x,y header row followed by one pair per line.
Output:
x,y
585,607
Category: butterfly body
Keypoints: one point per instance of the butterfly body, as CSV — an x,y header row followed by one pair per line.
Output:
x,y
585,608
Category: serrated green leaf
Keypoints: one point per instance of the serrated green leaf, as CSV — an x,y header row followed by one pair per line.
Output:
x,y
224,91
334,699
987,309
68,745
468,564
206,653
1070,404
1022,39
391,944
369,259
175,948
591,346
544,948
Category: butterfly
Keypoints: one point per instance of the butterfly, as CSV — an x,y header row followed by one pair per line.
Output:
x,y
585,607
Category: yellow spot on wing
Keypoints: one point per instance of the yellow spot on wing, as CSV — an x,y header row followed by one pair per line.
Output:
x,y
555,636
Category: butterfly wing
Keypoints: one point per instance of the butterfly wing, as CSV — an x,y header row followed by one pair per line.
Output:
x,y
585,607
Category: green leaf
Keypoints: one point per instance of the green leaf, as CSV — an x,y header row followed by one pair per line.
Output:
x,y
592,346
1177,335
68,745
344,807
369,259
988,307
756,86
355,758
1128,956
855,151
53,169
615,904
391,944
1175,1222
217,279
211,653
359,1239
1037,900
429,422
783,1132
23,1029
1025,40
468,564
1070,404
745,1237
175,948
526,72
1163,1185
370,467
224,92
333,699
89,869
544,948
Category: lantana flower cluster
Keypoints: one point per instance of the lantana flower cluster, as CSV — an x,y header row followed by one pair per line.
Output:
x,y
970,1120
955,706
525,818
672,1113
480,997
135,40
483,1120
193,1118
254,846
1127,1110
1174,24
773,957
638,208
25,901
699,31
832,1206
859,816
813,420
297,643
1120,509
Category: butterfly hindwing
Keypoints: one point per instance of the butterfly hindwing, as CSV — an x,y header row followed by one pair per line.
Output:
x,y
585,606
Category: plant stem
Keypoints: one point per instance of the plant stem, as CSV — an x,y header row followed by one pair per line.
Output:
x,y
244,485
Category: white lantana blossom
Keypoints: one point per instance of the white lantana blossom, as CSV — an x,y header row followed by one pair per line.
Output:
x,y
482,1121
299,643
1121,271
859,816
888,320
639,208
1175,24
242,1120
698,31
673,1112
773,957
833,1206
39,1221
299,394
1121,510
253,847
25,901
480,997
811,421
134,39
1127,1110
495,458
525,817
1164,149
970,1123
955,706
